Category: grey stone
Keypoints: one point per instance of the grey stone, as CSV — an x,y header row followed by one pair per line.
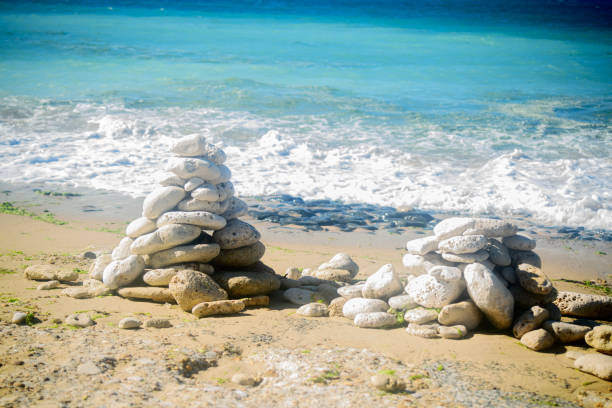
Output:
x,y
361,305
478,256
312,310
202,253
96,271
422,246
525,300
326,292
48,285
157,295
490,295
351,291
193,183
206,192
45,272
509,275
600,338
236,208
218,307
498,253
525,257
530,320
335,307
491,228
453,332
191,204
599,365
293,273
341,275
298,296
159,277
566,332
79,320
77,292
341,261
428,331
289,283
533,280
226,191
88,255
387,383
140,226
19,318
382,284
190,288
225,175
400,302
553,311
244,284
236,234
420,264
160,200
158,323
462,313
205,220
245,380
187,168
519,243
463,244
420,315
240,257
584,305
168,236
451,227
374,320
122,250
129,323
538,340
438,288
88,368
122,273
196,145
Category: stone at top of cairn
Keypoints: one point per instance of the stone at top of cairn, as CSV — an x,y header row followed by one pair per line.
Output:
x,y
184,223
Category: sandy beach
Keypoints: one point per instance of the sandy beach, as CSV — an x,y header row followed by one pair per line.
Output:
x,y
300,361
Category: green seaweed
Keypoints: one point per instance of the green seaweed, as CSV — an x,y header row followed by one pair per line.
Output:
x,y
387,372
4,271
55,193
8,208
605,288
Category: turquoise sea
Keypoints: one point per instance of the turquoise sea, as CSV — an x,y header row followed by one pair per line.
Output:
x,y
498,107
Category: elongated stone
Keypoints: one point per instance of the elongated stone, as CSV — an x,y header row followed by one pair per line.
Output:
x,y
46,272
498,253
193,183
159,277
519,243
491,228
478,256
203,219
196,145
187,168
451,227
533,280
566,332
361,305
490,295
245,284
584,305
218,307
158,295
122,250
374,320
530,320
236,208
463,244
140,226
206,192
240,257
215,207
165,237
202,253
422,246
160,200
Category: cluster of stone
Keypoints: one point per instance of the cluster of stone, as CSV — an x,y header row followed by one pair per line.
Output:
x,y
190,246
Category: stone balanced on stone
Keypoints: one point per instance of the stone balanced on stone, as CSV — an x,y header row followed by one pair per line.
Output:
x,y
190,228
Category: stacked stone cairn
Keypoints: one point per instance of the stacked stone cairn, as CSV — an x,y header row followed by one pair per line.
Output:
x,y
189,246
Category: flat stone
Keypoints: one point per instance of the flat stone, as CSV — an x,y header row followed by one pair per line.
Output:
x,y
463,244
245,380
478,256
88,368
453,332
77,292
244,284
256,301
599,365
341,261
240,257
351,291
538,340
374,320
490,295
79,320
420,315
236,234
491,228
129,323
312,310
530,320
519,243
219,307
122,273
427,331
462,313
236,208
193,183
298,296
122,250
584,305
533,280
96,271
48,285
382,284
204,219
600,338
451,227
196,145
96,287
159,277
140,226
400,302
168,236
160,200
157,295
438,288
335,307
339,275
190,288
187,168
498,253
201,253
361,305
525,300
387,383
45,272
422,246
19,318
566,332
158,323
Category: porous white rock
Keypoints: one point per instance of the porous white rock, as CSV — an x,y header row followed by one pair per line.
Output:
x,y
196,145
236,234
96,271
489,294
204,219
351,291
140,226
400,302
374,320
361,305
420,264
193,183
491,228
439,287
190,288
165,237
498,253
519,243
428,331
341,261
312,310
122,273
422,246
382,284
420,315
187,168
202,253
478,256
463,244
122,250
236,208
453,226
160,200
597,364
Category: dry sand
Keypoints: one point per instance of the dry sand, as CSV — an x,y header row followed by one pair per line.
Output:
x,y
263,342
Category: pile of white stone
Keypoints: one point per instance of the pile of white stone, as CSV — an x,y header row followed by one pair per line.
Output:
x,y
189,226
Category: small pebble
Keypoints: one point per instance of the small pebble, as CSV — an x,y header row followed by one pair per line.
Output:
x,y
19,318
387,383
79,320
158,323
246,380
129,323
52,284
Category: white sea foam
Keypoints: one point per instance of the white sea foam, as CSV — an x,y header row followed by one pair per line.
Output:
x,y
562,181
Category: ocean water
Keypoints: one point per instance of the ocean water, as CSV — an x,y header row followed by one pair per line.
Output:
x,y
447,106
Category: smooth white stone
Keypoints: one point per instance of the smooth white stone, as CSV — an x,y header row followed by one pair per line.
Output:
x,y
225,175
354,306
373,320
161,200
491,228
382,284
169,179
489,294
193,183
188,168
420,264
422,246
196,145
122,250
453,226
477,256
140,226
165,237
215,207
206,192
203,219
463,244
122,273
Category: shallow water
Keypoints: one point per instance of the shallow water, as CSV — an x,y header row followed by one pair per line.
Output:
x,y
500,109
